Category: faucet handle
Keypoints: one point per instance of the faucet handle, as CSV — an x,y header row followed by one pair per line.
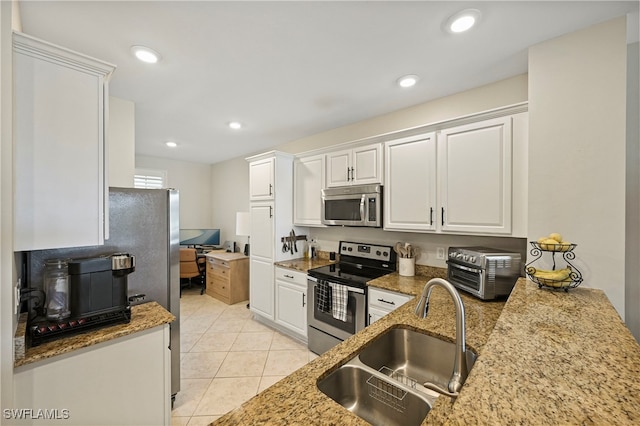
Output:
x,y
441,390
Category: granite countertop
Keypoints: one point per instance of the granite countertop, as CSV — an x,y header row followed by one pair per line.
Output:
x,y
296,398
303,265
143,317
545,357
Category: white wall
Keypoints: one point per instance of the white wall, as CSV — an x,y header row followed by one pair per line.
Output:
x,y
577,87
632,246
231,178
193,181
230,189
505,92
121,139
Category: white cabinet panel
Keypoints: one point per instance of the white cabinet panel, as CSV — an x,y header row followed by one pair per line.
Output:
x,y
380,302
475,170
367,164
291,305
308,183
410,183
361,165
262,238
262,179
261,292
60,104
124,381
339,168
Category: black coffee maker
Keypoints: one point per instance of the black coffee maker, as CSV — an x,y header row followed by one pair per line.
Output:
x,y
98,285
97,297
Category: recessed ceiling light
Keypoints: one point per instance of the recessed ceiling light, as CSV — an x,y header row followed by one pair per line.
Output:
x,y
235,125
463,21
171,144
408,80
145,54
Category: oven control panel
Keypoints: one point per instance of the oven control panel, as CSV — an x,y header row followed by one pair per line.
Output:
x,y
366,251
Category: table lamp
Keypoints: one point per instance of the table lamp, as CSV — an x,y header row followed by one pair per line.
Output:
x,y
243,228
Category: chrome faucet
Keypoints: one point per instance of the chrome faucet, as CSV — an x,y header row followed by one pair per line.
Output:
x,y
460,370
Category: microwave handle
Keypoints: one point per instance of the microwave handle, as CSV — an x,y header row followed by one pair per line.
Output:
x,y
363,200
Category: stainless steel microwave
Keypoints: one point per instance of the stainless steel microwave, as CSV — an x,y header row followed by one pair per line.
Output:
x,y
356,205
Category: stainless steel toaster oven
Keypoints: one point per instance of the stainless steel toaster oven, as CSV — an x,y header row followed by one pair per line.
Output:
x,y
483,272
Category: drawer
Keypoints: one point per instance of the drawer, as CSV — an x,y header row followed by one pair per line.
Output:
x,y
387,300
218,262
221,287
289,275
220,271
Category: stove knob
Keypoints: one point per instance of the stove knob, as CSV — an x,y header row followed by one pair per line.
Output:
x,y
458,255
465,257
350,249
378,253
452,254
385,254
472,259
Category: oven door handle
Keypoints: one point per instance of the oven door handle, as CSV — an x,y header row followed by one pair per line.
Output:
x,y
465,268
350,289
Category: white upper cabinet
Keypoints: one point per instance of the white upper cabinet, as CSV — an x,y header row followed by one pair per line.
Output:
x,y
361,165
262,179
410,183
475,177
466,179
308,183
60,108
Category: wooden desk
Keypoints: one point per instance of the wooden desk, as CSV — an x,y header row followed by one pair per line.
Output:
x,y
228,276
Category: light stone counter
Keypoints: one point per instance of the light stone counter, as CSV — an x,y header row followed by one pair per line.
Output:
x,y
545,357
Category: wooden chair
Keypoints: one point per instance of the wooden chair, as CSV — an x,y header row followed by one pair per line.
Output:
x,y
191,266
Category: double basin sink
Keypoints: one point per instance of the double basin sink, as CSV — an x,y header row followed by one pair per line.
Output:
x,y
383,383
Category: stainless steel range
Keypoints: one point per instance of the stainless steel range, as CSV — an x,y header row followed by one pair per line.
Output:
x,y
338,293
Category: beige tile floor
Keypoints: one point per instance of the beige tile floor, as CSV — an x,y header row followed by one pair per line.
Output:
x,y
226,358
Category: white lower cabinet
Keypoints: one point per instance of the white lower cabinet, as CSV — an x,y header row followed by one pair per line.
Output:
x,y
123,381
381,302
291,300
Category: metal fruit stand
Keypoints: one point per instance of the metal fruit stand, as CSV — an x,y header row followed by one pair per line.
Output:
x,y
574,278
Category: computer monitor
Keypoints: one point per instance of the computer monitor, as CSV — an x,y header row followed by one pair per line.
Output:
x,y
199,237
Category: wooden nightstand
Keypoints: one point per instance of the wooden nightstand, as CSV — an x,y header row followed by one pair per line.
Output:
x,y
228,276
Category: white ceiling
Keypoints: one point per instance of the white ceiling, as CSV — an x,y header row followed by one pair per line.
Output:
x,y
296,68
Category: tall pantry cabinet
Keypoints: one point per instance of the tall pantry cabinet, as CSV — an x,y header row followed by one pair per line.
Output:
x,y
60,112
271,208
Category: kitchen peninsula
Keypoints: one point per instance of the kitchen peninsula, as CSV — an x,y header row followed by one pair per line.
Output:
x,y
545,357
118,374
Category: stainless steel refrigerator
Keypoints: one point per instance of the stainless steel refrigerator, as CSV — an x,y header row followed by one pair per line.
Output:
x,y
144,223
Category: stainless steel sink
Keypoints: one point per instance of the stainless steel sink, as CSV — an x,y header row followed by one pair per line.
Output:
x,y
416,355
383,382
374,397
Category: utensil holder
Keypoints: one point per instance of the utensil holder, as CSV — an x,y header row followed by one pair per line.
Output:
x,y
407,266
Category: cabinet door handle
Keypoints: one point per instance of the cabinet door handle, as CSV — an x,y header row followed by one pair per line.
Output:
x,y
353,174
348,174
442,216
431,215
386,301
304,303
270,211
270,189
288,276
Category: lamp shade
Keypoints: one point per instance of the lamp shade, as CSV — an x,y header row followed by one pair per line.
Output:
x,y
243,223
